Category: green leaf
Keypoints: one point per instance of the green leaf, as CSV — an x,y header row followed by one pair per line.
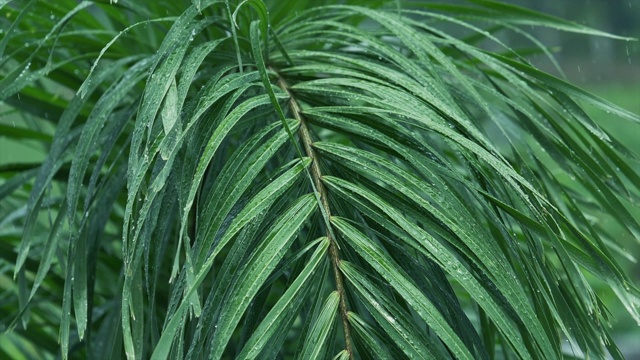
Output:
x,y
394,321
387,268
315,344
371,338
258,204
448,262
282,314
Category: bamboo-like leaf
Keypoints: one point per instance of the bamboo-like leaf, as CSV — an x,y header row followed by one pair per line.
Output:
x,y
371,338
234,179
287,306
315,344
454,267
258,267
386,268
396,323
258,204
54,161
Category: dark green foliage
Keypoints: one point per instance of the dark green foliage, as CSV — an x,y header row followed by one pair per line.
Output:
x,y
251,180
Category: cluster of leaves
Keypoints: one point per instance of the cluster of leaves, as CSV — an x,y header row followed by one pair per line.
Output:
x,y
238,179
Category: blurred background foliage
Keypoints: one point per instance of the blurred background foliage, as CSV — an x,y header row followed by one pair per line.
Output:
x,y
610,69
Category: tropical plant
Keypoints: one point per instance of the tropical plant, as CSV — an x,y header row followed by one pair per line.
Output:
x,y
230,179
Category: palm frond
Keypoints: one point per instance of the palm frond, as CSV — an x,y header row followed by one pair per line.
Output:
x,y
230,179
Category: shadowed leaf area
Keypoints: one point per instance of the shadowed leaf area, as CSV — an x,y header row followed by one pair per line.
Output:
x,y
278,180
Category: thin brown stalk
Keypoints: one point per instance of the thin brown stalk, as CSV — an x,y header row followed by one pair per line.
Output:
x,y
316,175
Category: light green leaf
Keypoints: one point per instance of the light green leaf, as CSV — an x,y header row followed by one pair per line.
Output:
x,y
315,344
387,268
258,267
287,306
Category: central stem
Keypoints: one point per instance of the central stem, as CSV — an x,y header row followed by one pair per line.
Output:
x,y
324,200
